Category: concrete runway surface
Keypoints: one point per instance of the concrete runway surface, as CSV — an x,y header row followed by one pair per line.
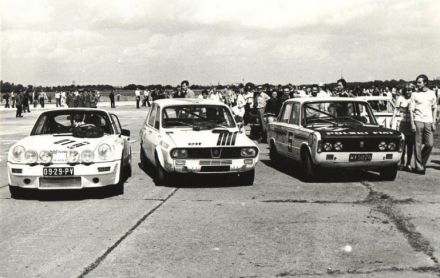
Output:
x,y
343,225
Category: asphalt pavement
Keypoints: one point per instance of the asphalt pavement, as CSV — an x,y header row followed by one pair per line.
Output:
x,y
344,224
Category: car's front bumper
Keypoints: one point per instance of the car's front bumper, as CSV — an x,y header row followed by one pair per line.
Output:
x,y
210,166
341,160
85,176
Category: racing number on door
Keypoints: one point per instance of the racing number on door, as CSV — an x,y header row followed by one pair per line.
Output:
x,y
290,141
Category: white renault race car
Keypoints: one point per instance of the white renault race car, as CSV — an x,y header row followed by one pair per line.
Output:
x,y
195,136
71,149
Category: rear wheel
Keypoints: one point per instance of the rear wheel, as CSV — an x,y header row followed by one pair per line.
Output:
x,y
388,173
273,153
247,178
143,158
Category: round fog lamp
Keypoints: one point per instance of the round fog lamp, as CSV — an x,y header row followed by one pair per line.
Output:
x,y
31,156
392,146
87,156
104,151
72,156
382,146
338,146
328,147
18,153
45,156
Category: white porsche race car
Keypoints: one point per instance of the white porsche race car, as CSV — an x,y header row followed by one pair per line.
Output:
x,y
195,136
71,149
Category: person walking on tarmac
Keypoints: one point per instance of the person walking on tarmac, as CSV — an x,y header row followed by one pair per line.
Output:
x,y
19,104
6,98
112,99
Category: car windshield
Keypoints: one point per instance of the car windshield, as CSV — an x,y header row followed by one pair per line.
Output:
x,y
65,122
197,117
338,113
381,106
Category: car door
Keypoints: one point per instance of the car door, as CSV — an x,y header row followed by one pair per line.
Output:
x,y
295,134
124,136
151,136
282,128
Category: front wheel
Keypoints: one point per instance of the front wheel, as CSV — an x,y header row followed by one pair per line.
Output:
x,y
247,178
309,168
163,178
118,189
16,192
388,173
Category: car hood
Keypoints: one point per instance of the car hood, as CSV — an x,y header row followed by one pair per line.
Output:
x,y
209,138
329,132
62,143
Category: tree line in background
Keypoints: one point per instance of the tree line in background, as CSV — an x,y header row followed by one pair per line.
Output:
x,y
11,87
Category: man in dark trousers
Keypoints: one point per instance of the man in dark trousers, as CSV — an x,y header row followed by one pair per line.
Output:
x,y
25,103
112,99
19,104
6,98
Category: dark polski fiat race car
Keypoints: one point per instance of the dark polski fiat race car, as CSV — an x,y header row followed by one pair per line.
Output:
x,y
334,133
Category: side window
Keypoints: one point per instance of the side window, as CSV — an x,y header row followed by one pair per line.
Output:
x,y
281,112
286,113
116,123
157,120
295,114
152,117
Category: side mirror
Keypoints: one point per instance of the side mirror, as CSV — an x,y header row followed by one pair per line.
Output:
x,y
125,132
240,125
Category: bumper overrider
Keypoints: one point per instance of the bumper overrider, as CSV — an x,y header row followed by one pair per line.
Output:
x,y
85,175
176,162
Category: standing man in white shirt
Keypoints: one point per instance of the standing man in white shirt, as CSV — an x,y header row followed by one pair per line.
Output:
x,y
137,94
423,112
57,99
186,91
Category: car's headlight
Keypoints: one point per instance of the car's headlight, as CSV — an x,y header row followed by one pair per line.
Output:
x,y
382,146
248,152
18,153
338,146
179,153
328,146
31,156
392,146
72,156
104,152
87,156
45,157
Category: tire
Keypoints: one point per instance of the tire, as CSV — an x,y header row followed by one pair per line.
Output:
x,y
143,158
273,153
247,178
163,178
16,192
118,189
309,169
388,173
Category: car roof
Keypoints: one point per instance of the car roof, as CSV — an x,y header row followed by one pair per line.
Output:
x,y
375,98
187,101
61,110
314,99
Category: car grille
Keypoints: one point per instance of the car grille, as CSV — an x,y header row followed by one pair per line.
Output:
x,y
71,182
361,145
206,153
215,162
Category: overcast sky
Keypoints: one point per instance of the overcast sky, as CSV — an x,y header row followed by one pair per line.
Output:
x,y
118,42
